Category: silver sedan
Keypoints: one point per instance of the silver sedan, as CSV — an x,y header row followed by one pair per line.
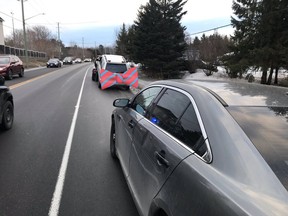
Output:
x,y
204,148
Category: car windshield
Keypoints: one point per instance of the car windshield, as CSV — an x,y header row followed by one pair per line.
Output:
x,y
116,68
4,60
267,128
52,61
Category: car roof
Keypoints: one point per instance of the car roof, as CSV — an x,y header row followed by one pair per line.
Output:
x,y
114,58
235,93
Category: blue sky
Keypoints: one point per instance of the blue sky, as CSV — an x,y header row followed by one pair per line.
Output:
x,y
99,21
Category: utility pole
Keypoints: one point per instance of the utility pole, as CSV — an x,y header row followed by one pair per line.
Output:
x,y
13,27
82,48
59,42
24,33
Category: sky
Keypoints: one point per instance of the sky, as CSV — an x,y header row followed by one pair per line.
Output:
x,y
90,23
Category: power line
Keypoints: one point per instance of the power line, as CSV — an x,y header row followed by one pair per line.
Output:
x,y
213,29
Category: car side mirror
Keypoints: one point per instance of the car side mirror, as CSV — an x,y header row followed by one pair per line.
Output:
x,y
123,102
2,80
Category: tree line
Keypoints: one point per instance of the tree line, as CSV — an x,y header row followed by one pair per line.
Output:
x,y
260,41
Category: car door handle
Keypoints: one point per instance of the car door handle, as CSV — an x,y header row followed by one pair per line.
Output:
x,y
160,157
131,124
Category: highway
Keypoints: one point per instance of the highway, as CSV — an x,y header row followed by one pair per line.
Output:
x,y
60,137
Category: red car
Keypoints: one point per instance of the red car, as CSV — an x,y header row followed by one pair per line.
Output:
x,y
11,65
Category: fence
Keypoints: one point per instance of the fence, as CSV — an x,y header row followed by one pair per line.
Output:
x,y
21,52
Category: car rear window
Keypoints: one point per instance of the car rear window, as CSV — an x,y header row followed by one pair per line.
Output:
x,y
4,60
116,68
267,128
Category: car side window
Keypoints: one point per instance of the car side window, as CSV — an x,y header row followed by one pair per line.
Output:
x,y
142,101
189,131
169,109
175,114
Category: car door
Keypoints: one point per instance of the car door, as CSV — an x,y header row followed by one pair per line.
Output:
x,y
155,153
127,119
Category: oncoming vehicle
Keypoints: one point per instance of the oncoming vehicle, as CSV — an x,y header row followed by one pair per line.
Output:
x,y
54,62
111,70
11,65
68,60
6,106
204,148
78,60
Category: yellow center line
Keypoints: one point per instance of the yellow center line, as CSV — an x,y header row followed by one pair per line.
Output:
x,y
30,80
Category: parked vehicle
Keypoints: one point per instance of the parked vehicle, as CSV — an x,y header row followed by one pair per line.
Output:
x,y
11,65
6,106
112,70
204,148
54,62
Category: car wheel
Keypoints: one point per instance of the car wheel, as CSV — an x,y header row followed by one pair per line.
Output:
x,y
113,140
9,75
93,77
126,87
99,85
8,116
21,74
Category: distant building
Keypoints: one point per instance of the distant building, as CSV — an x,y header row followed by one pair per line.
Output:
x,y
1,32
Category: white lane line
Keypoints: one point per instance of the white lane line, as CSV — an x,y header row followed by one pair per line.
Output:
x,y
55,203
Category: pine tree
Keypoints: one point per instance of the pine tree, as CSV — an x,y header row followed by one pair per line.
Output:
x,y
159,39
260,37
122,42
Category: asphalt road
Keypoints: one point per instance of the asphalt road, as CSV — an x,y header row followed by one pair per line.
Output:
x,y
61,112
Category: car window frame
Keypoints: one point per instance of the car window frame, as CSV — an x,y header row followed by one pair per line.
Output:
x,y
151,103
208,153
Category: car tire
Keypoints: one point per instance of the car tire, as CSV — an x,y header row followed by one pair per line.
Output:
x,y
99,85
93,77
9,75
8,116
21,74
113,141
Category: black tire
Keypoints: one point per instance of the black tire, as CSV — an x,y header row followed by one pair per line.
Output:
x,y
99,85
21,74
113,141
96,78
126,87
8,116
9,75
93,77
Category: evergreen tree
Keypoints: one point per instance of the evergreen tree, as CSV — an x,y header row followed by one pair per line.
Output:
x,y
122,42
159,38
260,37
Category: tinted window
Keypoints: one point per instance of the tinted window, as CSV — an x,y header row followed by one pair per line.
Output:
x,y
144,99
189,132
116,68
169,108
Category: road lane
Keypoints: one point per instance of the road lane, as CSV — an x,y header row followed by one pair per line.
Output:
x,y
31,153
94,183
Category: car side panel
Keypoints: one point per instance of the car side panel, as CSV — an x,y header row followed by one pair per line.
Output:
x,y
201,190
124,119
147,172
